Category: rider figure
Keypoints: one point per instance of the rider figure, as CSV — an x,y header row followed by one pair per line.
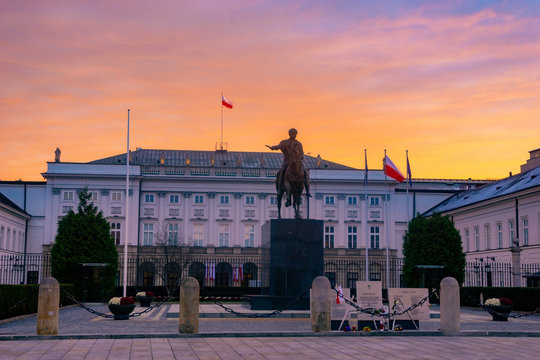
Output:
x,y
291,149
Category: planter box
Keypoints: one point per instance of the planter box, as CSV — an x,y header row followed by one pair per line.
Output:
x,y
121,312
145,300
499,313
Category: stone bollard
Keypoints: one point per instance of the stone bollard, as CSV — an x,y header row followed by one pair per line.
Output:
x,y
189,306
450,307
48,307
321,305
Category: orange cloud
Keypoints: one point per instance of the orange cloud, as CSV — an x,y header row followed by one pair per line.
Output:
x,y
456,89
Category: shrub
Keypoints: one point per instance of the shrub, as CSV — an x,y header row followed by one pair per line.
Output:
x,y
84,237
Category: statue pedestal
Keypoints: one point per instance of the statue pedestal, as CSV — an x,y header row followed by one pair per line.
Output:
x,y
292,255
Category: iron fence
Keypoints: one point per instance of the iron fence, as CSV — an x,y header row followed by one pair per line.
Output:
x,y
232,275
24,269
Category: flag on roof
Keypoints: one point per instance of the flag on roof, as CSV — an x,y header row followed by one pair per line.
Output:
x,y
391,170
226,102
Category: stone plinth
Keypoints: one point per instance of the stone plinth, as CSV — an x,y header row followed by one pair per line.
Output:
x,y
292,254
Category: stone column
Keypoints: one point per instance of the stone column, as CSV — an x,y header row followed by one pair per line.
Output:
x,y
189,306
321,305
516,266
450,307
48,307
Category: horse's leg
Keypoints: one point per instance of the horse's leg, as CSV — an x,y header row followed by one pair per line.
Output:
x,y
288,190
279,195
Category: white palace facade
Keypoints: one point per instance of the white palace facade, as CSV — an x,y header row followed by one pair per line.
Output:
x,y
218,201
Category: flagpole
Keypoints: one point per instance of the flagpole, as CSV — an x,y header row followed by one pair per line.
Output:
x,y
127,210
386,223
221,144
408,186
366,216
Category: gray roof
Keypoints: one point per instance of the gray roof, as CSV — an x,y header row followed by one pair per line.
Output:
x,y
507,186
4,200
198,158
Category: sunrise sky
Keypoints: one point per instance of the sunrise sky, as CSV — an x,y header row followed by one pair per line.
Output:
x,y
457,83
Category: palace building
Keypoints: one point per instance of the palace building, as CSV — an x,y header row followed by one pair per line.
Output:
x,y
218,201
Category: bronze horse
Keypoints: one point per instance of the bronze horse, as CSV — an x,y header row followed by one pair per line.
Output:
x,y
292,185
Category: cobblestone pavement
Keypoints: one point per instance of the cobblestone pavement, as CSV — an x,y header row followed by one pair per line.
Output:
x,y
76,321
255,348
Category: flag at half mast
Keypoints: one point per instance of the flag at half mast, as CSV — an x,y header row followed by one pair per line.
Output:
x,y
391,170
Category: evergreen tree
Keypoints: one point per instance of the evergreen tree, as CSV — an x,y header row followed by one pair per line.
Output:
x,y
432,241
84,237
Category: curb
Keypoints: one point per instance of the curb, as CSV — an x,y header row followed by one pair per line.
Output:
x,y
276,334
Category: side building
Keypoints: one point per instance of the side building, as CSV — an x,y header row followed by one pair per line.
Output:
x,y
500,219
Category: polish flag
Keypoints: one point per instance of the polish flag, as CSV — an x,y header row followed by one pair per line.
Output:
x,y
391,170
339,291
226,102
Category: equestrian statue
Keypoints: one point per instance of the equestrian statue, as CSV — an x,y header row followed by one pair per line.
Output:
x,y
292,177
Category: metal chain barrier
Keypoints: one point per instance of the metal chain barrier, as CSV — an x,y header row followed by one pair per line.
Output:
x,y
110,316
13,307
265,315
377,312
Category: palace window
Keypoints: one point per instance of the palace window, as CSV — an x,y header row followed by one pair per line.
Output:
x,y
149,198
374,236
374,200
487,230
477,238
68,195
467,240
116,196
198,234
224,231
93,195
512,228
329,200
199,199
249,236
351,200
173,199
148,234
499,235
250,200
172,234
329,237
115,232
525,226
224,199
352,236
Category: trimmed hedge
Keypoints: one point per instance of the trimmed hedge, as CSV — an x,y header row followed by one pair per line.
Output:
x,y
12,294
524,298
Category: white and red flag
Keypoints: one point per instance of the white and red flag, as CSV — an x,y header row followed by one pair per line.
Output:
x,y
338,297
391,170
226,102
